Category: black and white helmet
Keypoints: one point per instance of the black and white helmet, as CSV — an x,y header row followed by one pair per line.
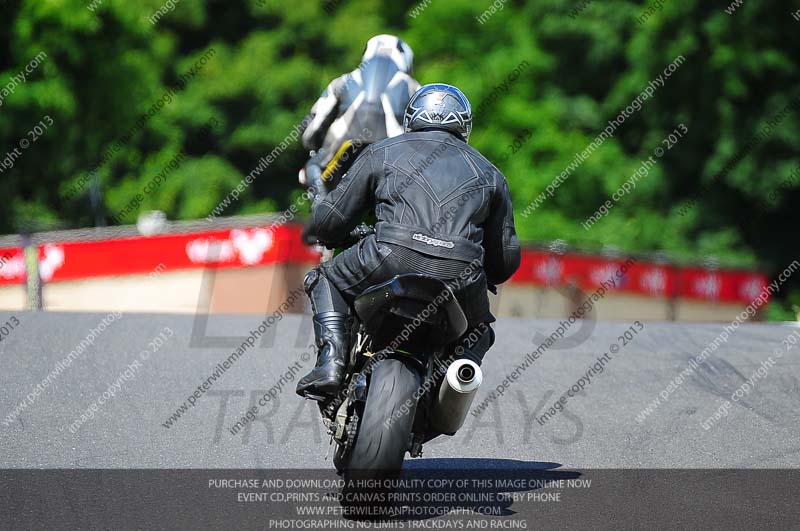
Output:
x,y
439,106
392,47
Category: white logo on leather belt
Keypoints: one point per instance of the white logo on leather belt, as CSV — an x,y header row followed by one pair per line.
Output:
x,y
433,241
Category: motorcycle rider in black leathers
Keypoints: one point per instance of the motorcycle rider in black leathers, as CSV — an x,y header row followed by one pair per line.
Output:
x,y
363,106
440,206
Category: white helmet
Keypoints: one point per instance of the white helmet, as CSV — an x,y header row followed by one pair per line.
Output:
x,y
392,47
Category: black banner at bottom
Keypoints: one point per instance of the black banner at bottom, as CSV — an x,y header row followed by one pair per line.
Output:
x,y
505,498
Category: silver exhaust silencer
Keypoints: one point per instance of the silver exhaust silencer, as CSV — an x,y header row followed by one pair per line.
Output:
x,y
456,394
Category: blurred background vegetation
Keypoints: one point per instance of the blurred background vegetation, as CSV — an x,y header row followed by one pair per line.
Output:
x,y
107,64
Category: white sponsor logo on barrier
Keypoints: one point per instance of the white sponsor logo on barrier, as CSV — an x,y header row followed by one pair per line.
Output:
x,y
550,271
252,245
654,281
750,289
709,286
249,245
52,261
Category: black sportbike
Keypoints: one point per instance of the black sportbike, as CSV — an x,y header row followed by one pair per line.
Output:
x,y
404,383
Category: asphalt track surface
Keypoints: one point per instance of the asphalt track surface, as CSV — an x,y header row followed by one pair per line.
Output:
x,y
597,429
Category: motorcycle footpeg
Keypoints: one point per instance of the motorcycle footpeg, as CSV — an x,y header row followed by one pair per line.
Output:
x,y
318,398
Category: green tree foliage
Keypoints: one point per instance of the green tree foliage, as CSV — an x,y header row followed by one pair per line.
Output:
x,y
715,193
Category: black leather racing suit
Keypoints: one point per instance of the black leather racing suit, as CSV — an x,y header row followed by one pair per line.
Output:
x,y
439,206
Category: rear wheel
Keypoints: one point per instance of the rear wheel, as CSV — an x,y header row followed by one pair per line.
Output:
x,y
340,458
387,421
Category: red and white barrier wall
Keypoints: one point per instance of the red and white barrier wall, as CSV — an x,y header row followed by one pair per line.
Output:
x,y
251,271
231,270
552,284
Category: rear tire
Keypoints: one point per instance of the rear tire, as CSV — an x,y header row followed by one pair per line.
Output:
x,y
340,458
380,446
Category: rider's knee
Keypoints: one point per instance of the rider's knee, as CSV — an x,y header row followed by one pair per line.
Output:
x,y
311,280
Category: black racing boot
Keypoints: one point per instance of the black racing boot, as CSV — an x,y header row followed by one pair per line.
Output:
x,y
476,342
330,330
